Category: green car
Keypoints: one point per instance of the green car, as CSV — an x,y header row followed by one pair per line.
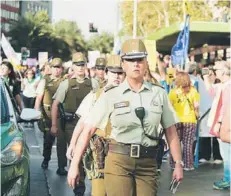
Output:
x,y
15,159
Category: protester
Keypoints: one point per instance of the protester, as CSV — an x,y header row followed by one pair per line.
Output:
x,y
9,76
216,115
225,126
29,85
185,100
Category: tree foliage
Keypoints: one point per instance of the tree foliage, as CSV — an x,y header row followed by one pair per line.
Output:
x,y
103,42
153,15
38,34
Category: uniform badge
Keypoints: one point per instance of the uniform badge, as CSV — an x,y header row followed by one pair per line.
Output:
x,y
50,84
75,87
121,104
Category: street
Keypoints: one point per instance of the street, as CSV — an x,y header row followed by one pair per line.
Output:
x,y
197,182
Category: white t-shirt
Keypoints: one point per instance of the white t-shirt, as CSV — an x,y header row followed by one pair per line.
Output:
x,y
29,88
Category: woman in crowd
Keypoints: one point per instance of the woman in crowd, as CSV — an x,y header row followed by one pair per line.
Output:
x,y
9,76
205,142
29,85
185,100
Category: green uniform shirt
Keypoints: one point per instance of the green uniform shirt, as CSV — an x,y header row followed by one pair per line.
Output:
x,y
62,90
119,106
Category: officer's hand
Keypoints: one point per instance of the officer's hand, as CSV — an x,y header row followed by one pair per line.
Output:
x,y
54,130
73,175
178,173
70,152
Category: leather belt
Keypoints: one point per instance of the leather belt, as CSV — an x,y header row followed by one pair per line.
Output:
x,y
134,150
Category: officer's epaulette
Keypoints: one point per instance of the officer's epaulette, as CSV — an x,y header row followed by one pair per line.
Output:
x,y
154,84
107,88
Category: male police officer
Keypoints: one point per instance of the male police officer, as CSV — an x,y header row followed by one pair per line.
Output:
x,y
99,81
69,95
45,91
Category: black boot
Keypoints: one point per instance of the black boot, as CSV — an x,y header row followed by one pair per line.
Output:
x,y
44,164
61,171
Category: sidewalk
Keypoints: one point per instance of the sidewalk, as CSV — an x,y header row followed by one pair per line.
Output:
x,y
196,183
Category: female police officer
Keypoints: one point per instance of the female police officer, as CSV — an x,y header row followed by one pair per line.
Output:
x,y
134,108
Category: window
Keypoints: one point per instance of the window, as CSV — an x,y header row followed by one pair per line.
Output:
x,y
7,27
16,16
17,4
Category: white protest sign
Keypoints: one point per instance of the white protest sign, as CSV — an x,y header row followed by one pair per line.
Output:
x,y
92,56
42,58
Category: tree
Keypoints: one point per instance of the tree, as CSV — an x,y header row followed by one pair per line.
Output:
x,y
154,15
103,42
37,34
71,34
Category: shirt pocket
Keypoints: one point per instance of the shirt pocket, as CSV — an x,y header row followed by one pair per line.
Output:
x,y
121,118
155,113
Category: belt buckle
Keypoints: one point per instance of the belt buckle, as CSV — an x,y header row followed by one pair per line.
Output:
x,y
135,151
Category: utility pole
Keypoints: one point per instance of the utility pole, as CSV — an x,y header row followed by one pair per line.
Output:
x,y
135,18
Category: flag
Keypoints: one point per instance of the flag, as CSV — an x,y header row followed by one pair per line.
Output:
x,y
9,52
179,53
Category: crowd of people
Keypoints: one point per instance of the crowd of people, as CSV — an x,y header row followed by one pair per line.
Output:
x,y
109,120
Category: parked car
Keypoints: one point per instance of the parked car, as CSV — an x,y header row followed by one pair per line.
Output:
x,y
15,159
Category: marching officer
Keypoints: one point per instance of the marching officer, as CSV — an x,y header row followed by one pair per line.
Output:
x,y
67,98
135,109
99,81
45,91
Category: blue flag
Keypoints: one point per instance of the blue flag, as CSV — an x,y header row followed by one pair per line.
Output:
x,y
179,51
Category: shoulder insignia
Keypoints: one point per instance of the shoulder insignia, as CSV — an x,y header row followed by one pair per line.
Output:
x,y
107,88
154,84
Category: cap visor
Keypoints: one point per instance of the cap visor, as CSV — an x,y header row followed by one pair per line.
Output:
x,y
82,63
119,70
134,56
100,66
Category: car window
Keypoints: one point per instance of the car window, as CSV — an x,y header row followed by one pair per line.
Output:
x,y
5,117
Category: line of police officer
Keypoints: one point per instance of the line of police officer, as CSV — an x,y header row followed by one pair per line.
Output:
x,y
58,98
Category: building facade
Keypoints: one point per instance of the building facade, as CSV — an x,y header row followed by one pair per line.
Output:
x,y
36,6
10,12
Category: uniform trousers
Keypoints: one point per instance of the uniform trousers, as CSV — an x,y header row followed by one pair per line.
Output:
x,y
127,176
61,146
186,133
98,187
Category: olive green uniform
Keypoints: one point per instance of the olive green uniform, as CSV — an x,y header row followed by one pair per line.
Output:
x,y
99,82
47,87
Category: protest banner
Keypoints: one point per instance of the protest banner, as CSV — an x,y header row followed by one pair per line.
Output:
x,y
10,54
